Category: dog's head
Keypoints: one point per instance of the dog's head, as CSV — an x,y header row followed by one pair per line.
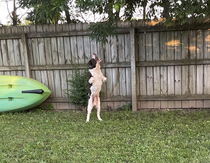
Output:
x,y
94,62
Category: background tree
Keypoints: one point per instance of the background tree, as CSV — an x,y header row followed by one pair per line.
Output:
x,y
112,11
13,15
174,12
178,12
47,11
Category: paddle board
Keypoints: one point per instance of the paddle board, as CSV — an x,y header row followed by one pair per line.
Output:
x,y
19,93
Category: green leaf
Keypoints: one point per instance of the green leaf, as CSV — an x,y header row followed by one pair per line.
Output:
x,y
117,7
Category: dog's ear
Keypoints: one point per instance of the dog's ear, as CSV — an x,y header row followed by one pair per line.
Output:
x,y
92,63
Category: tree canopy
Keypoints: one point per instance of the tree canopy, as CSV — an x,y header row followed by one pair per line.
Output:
x,y
46,11
174,12
111,11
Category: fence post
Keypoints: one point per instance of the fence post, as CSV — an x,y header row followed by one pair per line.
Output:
x,y
133,68
26,55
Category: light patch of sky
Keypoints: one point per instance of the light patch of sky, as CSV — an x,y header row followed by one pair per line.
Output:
x,y
6,7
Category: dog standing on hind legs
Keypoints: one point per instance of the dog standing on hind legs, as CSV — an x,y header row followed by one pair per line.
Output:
x,y
95,81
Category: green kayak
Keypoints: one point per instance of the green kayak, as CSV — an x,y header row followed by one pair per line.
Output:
x,y
20,93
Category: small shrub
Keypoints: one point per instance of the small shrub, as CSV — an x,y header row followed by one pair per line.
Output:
x,y
77,92
127,107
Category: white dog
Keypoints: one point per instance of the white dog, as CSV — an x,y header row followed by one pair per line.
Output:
x,y
95,81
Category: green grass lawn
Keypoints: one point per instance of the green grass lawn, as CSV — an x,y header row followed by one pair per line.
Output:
x,y
48,136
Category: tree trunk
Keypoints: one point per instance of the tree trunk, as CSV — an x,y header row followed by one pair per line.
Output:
x,y
166,6
14,15
66,9
144,9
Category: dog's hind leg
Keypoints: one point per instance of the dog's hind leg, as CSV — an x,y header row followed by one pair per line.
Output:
x,y
98,108
90,106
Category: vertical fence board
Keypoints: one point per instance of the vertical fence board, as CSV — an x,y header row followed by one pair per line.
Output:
x,y
192,44
149,70
192,79
133,68
170,45
4,53
25,57
164,80
80,46
163,45
149,55
200,44
122,71
206,79
93,46
128,70
67,51
51,83
171,86
128,82
35,52
87,49
115,71
24,48
48,51
1,56
206,44
185,78
171,80
177,85
108,70
156,44
142,49
177,45
54,51
200,74
200,81
63,78
143,81
150,77
58,88
74,49
178,79
156,81
61,52
11,52
185,45
17,56
157,85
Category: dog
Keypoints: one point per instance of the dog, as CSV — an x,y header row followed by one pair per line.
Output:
x,y
95,80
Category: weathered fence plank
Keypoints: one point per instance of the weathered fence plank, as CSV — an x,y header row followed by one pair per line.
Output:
x,y
4,53
206,79
206,44
164,80
25,58
122,71
133,68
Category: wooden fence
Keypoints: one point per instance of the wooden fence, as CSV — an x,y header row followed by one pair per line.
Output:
x,y
150,66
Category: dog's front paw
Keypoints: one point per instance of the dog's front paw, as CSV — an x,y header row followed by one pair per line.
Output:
x,y
104,79
91,80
